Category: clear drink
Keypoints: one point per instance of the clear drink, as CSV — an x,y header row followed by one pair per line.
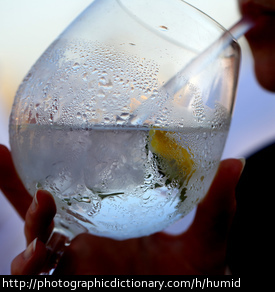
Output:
x,y
119,182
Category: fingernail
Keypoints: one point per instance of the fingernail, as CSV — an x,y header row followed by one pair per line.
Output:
x,y
243,161
34,203
30,249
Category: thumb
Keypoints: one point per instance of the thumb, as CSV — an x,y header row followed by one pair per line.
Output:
x,y
30,261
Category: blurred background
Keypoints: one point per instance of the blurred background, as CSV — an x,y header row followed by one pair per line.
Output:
x,y
26,30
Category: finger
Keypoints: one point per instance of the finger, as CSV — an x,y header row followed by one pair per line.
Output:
x,y
11,185
88,254
92,255
39,217
219,202
31,261
209,231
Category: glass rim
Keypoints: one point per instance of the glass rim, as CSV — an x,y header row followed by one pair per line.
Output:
x,y
210,19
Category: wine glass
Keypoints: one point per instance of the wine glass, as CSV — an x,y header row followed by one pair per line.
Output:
x,y
101,122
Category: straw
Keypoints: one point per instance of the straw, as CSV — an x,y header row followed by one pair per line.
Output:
x,y
172,86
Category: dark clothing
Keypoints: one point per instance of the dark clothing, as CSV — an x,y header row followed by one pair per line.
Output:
x,y
250,249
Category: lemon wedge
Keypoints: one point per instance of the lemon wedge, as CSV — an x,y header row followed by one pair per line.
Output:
x,y
175,161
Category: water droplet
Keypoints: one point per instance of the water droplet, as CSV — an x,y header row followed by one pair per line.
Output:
x,y
124,116
121,81
76,66
155,92
107,120
102,81
108,85
84,76
101,94
119,120
163,27
84,117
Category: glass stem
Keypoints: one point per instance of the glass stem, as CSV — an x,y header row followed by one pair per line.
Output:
x,y
55,249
